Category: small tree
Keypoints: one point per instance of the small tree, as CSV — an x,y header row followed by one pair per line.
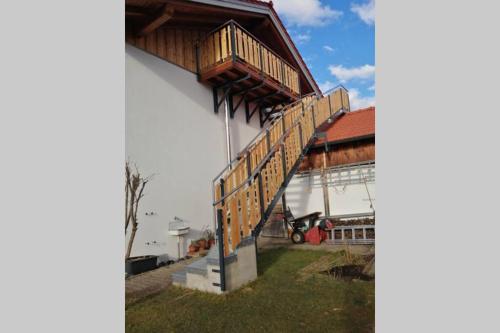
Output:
x,y
134,191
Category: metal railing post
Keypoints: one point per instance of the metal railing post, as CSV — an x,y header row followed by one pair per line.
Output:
x,y
220,236
249,168
341,99
283,161
222,191
348,102
261,197
314,118
330,105
268,140
300,136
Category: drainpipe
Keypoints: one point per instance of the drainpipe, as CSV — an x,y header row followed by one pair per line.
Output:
x,y
326,197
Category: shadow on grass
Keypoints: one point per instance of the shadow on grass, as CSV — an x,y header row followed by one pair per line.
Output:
x,y
267,258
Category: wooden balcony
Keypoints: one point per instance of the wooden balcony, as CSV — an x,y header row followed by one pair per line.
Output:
x,y
231,55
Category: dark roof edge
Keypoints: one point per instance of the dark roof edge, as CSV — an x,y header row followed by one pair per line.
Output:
x,y
355,138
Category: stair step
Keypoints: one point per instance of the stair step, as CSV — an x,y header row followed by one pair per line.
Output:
x,y
213,256
179,277
198,267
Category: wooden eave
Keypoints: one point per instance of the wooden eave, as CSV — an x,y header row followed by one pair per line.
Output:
x,y
208,14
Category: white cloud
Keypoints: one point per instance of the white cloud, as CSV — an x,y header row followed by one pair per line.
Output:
x,y
359,102
303,38
366,12
371,88
345,74
306,12
325,86
328,48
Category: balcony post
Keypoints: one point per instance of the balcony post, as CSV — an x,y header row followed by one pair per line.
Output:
x,y
232,32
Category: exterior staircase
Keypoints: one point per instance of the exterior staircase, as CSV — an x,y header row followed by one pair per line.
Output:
x,y
247,190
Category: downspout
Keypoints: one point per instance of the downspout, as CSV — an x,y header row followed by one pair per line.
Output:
x,y
228,134
324,183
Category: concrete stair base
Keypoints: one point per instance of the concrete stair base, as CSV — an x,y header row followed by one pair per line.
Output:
x,y
204,274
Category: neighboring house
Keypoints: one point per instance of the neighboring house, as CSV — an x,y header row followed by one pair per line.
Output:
x,y
337,177
191,107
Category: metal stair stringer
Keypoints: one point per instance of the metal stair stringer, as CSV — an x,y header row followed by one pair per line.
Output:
x,y
247,190
288,178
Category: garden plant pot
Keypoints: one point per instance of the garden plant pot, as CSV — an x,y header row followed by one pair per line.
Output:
x,y
136,265
193,248
211,242
202,243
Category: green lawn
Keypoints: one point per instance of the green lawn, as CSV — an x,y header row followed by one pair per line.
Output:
x,y
275,302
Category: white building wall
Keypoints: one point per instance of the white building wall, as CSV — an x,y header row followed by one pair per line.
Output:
x,y
305,195
173,133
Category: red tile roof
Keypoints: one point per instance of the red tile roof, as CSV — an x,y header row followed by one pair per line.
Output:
x,y
355,124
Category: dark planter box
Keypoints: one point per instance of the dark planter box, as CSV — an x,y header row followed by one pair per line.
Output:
x,y
136,265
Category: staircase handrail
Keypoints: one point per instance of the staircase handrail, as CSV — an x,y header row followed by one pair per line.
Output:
x,y
273,149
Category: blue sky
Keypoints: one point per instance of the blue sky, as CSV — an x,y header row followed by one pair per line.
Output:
x,y
337,40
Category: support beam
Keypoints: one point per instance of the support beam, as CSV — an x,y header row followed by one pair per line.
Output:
x,y
218,103
165,14
232,82
266,96
257,106
238,105
262,117
247,111
216,100
266,116
252,88
227,87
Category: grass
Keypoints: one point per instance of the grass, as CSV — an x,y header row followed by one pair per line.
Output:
x,y
278,301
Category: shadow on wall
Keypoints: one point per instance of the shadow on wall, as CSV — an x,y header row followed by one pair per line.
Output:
x,y
192,235
298,195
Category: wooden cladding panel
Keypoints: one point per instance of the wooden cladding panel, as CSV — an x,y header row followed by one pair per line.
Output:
x,y
176,45
341,154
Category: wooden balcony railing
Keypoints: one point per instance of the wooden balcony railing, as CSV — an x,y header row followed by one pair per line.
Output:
x,y
248,188
231,42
